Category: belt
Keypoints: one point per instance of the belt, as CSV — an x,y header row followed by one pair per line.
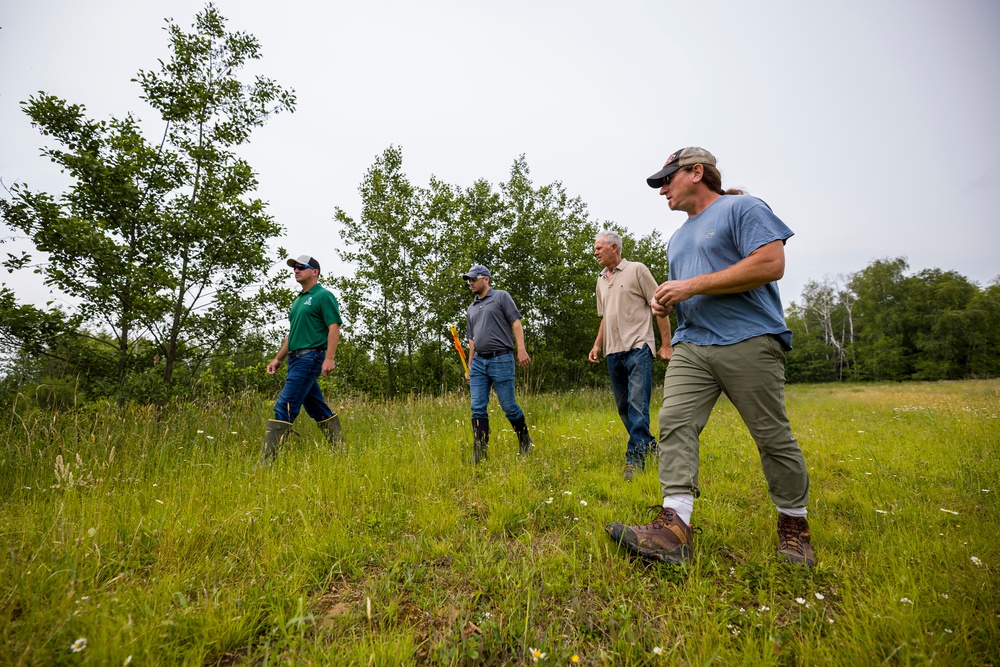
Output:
x,y
490,355
305,350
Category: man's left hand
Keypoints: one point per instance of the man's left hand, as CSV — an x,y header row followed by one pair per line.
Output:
x,y
328,366
522,357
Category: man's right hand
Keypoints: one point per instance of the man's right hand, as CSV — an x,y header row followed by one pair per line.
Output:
x,y
595,355
273,367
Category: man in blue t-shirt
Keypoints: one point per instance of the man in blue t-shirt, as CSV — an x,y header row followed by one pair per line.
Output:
x,y
731,337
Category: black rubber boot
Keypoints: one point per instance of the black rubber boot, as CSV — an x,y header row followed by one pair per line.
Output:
x,y
274,435
523,437
480,439
332,430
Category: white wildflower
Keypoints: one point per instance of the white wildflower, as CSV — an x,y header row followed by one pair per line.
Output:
x,y
79,645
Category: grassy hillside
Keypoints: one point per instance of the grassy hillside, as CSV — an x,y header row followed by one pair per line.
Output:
x,y
151,535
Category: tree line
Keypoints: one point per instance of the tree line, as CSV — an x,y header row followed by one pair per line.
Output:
x,y
881,324
165,251
410,246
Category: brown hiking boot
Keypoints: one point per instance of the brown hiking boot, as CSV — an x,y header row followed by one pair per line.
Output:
x,y
793,540
666,539
629,473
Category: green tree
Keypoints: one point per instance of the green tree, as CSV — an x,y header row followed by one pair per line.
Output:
x,y
884,350
983,318
464,225
940,322
546,262
388,245
162,241
810,359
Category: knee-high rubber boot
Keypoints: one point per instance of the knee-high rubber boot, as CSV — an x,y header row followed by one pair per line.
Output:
x,y
523,437
480,439
331,429
274,435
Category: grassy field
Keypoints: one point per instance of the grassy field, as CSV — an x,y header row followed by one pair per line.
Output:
x,y
151,537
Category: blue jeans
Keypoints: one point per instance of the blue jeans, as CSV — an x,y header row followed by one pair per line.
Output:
x,y
301,388
632,383
497,372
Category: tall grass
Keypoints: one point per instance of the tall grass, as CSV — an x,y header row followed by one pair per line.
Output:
x,y
150,534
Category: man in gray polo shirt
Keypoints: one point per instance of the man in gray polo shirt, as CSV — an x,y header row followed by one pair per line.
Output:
x,y
493,326
625,291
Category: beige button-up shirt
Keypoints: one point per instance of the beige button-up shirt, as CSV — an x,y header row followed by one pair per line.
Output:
x,y
623,296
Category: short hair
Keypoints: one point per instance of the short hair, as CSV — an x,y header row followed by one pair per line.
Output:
x,y
611,237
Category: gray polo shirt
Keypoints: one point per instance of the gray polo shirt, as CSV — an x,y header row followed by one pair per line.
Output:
x,y
489,321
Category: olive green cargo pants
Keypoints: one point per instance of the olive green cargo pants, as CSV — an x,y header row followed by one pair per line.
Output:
x,y
752,374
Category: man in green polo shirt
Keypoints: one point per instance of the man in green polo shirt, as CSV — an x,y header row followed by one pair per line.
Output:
x,y
311,346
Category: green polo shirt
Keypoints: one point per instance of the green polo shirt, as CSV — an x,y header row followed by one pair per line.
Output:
x,y
311,316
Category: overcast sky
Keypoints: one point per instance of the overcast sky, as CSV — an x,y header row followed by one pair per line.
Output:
x,y
870,127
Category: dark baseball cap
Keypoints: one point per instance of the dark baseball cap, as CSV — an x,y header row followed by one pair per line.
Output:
x,y
685,157
304,259
476,271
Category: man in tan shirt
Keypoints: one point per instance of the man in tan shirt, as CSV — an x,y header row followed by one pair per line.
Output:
x,y
624,292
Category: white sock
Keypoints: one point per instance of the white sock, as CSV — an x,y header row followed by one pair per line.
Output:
x,y
793,511
682,503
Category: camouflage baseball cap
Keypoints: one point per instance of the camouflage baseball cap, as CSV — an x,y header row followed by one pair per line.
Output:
x,y
682,158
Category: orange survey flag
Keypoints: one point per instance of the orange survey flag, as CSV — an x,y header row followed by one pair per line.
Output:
x,y
461,350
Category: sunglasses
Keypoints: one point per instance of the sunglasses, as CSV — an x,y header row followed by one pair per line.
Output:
x,y
667,179
301,267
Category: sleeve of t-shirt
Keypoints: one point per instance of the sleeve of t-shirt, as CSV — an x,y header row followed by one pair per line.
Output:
x,y
757,226
331,310
510,311
600,301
